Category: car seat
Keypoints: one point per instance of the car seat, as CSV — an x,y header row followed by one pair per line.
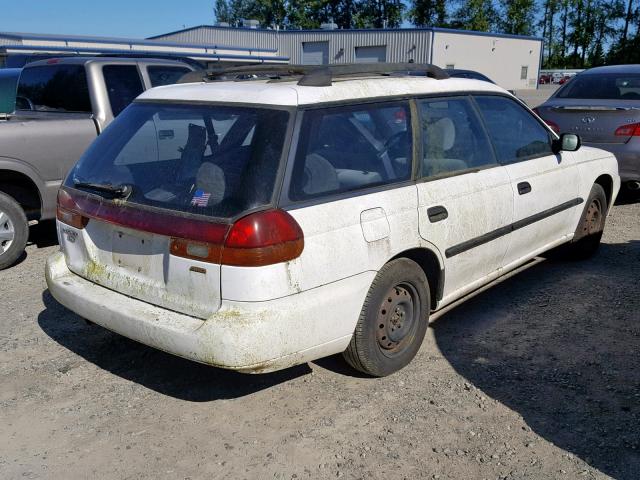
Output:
x,y
439,139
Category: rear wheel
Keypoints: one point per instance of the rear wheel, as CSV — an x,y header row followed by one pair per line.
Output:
x,y
586,240
393,320
14,231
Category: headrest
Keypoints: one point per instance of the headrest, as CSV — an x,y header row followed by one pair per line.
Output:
x,y
210,179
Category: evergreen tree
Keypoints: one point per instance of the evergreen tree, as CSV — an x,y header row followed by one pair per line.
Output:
x,y
479,15
428,13
517,16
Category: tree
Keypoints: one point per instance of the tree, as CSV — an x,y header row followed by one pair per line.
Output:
x,y
479,15
378,13
428,13
517,16
222,11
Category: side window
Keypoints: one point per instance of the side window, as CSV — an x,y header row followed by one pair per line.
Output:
x,y
349,148
160,75
54,88
515,133
123,85
452,136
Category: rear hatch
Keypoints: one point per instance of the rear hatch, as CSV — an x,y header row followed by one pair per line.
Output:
x,y
596,106
161,174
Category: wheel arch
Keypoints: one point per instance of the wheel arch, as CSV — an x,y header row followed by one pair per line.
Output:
x,y
23,190
606,182
430,263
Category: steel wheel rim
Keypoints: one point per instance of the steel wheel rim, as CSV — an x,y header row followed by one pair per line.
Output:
x,y
397,319
7,232
593,217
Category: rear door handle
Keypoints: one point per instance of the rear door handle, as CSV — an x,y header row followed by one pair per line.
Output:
x,y
524,187
437,214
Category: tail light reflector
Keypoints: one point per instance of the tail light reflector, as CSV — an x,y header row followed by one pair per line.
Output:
x,y
259,239
263,238
630,130
67,211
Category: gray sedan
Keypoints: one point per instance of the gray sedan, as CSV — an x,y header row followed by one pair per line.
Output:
x,y
602,105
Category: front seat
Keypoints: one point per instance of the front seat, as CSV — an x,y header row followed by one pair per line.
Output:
x,y
440,137
319,176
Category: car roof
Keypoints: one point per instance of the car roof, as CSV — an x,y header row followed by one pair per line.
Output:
x,y
86,60
289,93
612,69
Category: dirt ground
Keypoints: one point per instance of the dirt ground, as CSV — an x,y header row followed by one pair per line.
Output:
x,y
537,378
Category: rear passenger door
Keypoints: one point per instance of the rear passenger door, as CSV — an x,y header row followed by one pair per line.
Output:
x,y
350,188
465,201
545,185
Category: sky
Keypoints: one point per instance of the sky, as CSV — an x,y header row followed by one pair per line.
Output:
x,y
110,18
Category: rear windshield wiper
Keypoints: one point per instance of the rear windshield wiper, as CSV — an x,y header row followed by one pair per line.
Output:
x,y
115,191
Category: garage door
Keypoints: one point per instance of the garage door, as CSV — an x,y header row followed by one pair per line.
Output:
x,y
371,54
315,53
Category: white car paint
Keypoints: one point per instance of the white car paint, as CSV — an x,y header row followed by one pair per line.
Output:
x,y
259,319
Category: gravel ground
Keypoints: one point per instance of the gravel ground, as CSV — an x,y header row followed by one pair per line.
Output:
x,y
537,378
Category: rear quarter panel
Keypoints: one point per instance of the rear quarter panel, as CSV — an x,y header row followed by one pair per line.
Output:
x,y
45,150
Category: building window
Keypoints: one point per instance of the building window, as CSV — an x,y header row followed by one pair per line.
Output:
x,y
524,72
450,66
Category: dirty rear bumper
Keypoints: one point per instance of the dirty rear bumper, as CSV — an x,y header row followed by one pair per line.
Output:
x,y
253,337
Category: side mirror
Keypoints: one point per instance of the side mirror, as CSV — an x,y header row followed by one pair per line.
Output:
x,y
568,142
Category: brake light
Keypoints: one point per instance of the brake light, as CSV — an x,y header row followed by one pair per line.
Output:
x,y
553,125
67,211
630,130
259,239
263,238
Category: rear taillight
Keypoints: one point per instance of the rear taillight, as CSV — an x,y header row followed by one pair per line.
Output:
x,y
553,125
259,239
630,130
67,211
263,238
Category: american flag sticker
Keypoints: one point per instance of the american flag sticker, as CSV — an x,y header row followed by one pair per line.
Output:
x,y
200,198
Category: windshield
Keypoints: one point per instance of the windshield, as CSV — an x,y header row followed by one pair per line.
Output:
x,y
603,86
207,160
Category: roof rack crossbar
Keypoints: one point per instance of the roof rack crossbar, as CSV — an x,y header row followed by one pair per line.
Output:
x,y
314,75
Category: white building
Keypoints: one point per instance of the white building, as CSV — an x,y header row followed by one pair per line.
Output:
x,y
511,61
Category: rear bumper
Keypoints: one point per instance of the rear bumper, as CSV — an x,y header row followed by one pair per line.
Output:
x,y
253,337
628,156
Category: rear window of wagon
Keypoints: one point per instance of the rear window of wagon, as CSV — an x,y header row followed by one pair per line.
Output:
x,y
211,160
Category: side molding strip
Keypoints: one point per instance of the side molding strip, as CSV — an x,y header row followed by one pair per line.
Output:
x,y
507,229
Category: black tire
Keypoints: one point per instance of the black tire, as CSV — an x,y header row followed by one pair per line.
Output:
x,y
14,231
586,240
387,339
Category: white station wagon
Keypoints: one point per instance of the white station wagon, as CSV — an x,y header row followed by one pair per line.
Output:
x,y
305,211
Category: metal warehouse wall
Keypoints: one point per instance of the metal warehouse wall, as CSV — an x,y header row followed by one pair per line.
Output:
x,y
498,57
401,46
231,37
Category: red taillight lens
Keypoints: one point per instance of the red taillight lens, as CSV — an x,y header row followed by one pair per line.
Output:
x,y
259,239
263,238
553,125
630,130
67,211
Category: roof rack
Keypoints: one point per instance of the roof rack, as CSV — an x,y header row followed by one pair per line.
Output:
x,y
313,75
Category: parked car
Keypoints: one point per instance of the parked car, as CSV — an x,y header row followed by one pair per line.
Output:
x,y
544,79
254,225
602,105
62,105
8,85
